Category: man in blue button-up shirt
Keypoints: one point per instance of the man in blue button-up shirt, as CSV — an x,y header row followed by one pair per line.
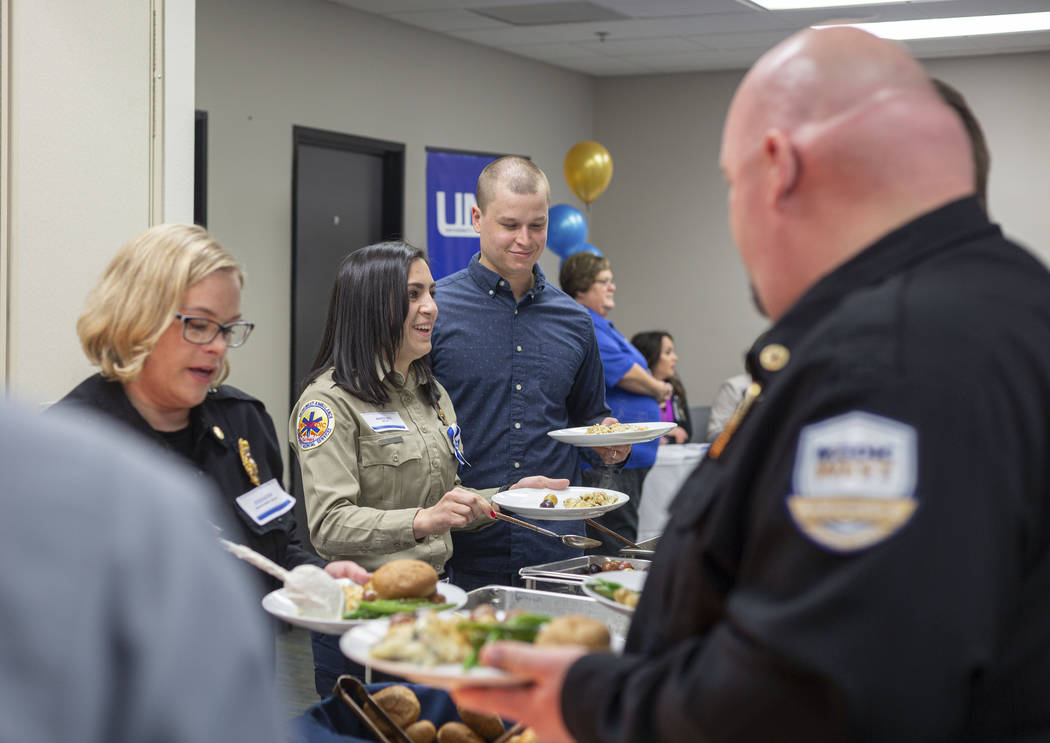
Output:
x,y
518,358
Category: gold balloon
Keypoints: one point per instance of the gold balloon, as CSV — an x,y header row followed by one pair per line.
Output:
x,y
588,170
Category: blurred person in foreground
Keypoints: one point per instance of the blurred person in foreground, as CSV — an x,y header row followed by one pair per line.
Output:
x,y
657,347
122,621
631,392
376,436
863,555
158,324
519,358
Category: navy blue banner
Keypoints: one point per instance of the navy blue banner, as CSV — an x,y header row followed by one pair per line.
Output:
x,y
451,180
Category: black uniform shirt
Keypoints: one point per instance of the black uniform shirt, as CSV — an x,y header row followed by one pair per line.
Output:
x,y
226,415
868,558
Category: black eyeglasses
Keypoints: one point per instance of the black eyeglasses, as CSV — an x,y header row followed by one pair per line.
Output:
x,y
201,330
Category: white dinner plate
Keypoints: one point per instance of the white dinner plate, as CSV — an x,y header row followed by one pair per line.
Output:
x,y
357,645
278,604
526,502
641,433
633,579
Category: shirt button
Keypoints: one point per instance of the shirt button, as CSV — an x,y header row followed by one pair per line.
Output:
x,y
501,283
517,465
423,429
517,425
491,292
395,457
517,387
515,312
519,349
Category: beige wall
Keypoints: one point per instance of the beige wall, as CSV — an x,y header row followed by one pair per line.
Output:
x,y
77,181
266,65
663,224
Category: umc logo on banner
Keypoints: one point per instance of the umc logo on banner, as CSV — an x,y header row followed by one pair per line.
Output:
x,y
452,178
462,223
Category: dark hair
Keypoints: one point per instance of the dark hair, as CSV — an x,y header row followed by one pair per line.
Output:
x,y
579,271
366,322
982,160
650,343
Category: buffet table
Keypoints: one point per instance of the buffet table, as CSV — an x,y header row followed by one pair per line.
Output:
x,y
674,463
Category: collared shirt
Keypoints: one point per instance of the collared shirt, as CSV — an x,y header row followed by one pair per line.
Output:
x,y
618,356
516,370
913,382
368,469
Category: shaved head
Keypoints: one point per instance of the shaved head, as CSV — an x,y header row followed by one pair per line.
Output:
x,y
834,138
518,175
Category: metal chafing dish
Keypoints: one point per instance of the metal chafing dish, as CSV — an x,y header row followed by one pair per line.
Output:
x,y
554,604
569,574
646,549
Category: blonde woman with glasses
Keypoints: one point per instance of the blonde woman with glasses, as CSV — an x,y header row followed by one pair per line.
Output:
x,y
158,325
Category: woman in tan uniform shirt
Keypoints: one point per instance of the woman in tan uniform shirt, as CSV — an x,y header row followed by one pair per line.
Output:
x,y
375,434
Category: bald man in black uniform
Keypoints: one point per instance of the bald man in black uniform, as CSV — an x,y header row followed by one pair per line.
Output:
x,y
864,554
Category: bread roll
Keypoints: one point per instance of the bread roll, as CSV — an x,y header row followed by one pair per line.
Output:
x,y
488,727
574,629
401,705
421,731
457,732
405,579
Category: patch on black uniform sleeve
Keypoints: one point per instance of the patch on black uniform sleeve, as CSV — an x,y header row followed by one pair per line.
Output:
x,y
854,480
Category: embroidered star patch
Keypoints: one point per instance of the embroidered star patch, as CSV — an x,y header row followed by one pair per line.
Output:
x,y
316,424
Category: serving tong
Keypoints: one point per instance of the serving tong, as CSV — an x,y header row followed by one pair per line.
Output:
x,y
569,540
356,697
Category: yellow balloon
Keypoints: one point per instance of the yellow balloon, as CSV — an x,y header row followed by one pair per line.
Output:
x,y
588,170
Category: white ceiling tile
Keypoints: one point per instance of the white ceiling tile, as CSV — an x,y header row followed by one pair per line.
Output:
x,y
444,21
557,50
627,47
740,40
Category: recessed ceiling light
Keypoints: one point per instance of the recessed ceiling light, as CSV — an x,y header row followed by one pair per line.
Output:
x,y
940,28
801,4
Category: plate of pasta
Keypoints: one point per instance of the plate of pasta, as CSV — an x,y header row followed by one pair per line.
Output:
x,y
615,434
560,505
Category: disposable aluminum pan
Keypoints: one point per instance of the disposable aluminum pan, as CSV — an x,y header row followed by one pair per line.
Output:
x,y
571,572
553,604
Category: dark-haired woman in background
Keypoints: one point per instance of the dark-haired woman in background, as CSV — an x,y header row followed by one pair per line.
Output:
x,y
657,346
376,435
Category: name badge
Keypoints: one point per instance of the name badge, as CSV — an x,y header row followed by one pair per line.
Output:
x,y
384,421
266,502
455,436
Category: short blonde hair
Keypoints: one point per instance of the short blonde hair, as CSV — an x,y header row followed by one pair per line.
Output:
x,y
140,291
517,174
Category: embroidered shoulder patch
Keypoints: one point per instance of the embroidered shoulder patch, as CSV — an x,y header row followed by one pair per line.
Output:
x,y
316,424
854,480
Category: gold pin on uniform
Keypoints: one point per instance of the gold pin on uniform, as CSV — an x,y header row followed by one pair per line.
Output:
x,y
774,357
218,433
248,461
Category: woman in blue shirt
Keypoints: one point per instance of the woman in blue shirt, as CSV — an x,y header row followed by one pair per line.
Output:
x,y
632,393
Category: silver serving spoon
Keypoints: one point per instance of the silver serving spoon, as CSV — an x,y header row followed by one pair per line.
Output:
x,y
570,540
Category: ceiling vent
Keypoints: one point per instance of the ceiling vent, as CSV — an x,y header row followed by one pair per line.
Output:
x,y
550,14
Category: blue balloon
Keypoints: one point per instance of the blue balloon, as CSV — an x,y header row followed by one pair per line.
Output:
x,y
566,229
585,248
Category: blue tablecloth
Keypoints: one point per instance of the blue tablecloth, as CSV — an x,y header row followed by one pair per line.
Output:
x,y
331,721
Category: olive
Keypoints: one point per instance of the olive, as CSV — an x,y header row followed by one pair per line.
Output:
x,y
550,500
